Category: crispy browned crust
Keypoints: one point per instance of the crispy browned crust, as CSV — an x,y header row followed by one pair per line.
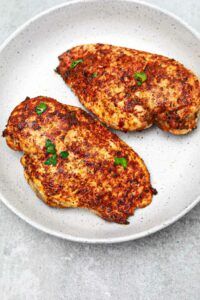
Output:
x,y
170,97
88,178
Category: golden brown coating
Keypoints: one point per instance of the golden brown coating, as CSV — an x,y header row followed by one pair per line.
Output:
x,y
103,78
88,177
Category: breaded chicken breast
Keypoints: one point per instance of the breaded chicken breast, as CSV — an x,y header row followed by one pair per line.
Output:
x,y
131,90
71,160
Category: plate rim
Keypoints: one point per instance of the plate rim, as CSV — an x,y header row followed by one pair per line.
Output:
x,y
97,240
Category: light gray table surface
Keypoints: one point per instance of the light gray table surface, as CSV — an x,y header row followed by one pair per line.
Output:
x,y
34,265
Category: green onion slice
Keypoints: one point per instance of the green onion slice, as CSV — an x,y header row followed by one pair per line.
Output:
x,y
50,147
41,108
64,154
121,161
51,160
74,63
140,77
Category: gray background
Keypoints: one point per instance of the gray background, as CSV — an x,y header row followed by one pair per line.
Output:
x,y
34,265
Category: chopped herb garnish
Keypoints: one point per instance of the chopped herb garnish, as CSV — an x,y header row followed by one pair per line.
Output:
x,y
48,143
140,77
121,161
40,108
50,147
75,63
94,75
64,154
51,160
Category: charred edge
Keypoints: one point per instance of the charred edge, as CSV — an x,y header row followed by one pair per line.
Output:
x,y
154,191
5,133
56,70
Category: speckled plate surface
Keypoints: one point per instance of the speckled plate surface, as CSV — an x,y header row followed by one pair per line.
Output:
x,y
27,62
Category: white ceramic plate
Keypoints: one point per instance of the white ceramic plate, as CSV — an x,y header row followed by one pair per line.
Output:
x,y
27,62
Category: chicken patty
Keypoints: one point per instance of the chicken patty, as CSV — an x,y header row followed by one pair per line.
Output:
x,y
131,90
72,160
